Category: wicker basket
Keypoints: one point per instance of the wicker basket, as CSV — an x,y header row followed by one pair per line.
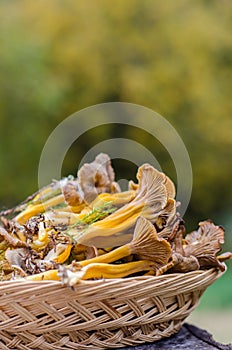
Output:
x,y
98,314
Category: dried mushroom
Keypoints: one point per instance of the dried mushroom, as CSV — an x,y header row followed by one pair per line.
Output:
x,y
11,238
205,244
97,177
180,263
73,194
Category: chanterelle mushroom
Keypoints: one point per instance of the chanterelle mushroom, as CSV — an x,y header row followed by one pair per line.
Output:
x,y
88,223
146,244
204,244
97,177
117,229
73,194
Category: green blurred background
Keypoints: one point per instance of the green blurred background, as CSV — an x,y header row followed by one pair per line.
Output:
x,y
174,57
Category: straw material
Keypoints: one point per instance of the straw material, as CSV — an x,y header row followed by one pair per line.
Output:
x,y
98,314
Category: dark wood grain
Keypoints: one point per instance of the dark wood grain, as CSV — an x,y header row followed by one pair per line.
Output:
x,y
188,338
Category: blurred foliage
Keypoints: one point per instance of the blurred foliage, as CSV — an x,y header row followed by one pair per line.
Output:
x,y
174,57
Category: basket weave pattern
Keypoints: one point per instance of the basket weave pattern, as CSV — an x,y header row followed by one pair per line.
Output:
x,y
97,314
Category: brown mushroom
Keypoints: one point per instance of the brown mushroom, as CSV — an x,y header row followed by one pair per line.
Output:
x,y
97,177
204,244
73,194
13,241
116,229
170,188
179,263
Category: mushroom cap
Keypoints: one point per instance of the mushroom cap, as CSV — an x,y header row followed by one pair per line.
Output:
x,y
205,243
97,177
73,194
147,244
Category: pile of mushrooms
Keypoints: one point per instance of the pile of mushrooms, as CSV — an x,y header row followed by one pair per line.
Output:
x,y
87,228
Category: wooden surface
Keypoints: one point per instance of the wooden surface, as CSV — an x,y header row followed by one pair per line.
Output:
x,y
189,338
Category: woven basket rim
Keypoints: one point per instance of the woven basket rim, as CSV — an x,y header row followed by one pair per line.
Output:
x,y
117,289
124,280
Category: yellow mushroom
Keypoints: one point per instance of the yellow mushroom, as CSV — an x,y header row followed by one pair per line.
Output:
x,y
224,256
117,199
145,244
62,257
43,237
94,270
44,276
35,209
170,187
101,270
151,198
59,254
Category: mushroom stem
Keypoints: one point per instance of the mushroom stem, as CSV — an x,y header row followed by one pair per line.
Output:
x,y
145,243
35,209
101,270
44,276
114,255
117,199
224,256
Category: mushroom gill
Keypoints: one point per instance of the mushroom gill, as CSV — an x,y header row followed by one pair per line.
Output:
x,y
204,244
